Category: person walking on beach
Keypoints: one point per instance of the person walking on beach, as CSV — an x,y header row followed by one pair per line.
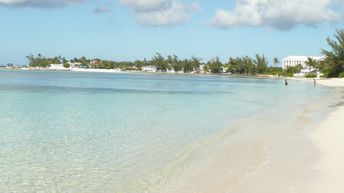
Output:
x,y
286,82
315,82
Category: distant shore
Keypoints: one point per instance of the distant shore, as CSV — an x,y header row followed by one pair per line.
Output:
x,y
332,82
92,70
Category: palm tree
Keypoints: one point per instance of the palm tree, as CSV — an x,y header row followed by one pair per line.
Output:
x,y
32,60
275,61
261,63
311,63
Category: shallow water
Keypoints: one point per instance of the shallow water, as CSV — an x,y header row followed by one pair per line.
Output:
x,y
95,132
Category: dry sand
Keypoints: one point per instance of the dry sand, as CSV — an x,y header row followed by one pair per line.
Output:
x,y
334,82
329,139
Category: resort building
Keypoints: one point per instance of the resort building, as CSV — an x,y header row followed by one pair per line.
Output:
x,y
292,61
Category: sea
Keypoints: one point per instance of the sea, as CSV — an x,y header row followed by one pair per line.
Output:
x,y
127,132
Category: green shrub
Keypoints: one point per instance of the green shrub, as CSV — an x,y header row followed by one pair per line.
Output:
x,y
287,74
341,75
310,75
66,65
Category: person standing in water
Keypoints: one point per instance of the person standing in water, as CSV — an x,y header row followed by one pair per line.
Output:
x,y
315,82
286,82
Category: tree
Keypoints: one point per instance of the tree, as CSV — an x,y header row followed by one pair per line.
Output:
x,y
175,64
31,59
39,61
159,61
272,70
215,65
275,61
291,70
243,65
333,64
189,65
261,63
311,63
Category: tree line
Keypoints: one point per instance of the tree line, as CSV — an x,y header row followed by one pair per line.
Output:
x,y
239,65
331,66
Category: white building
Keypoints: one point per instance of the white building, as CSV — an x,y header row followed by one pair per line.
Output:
x,y
149,69
57,67
292,61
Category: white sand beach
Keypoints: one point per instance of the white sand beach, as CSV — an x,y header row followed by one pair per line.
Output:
x,y
333,82
328,138
306,157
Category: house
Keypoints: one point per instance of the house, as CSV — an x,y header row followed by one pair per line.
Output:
x,y
149,69
95,62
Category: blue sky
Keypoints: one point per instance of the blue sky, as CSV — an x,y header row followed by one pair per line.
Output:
x,y
135,29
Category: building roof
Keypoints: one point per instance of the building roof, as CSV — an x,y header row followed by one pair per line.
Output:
x,y
304,57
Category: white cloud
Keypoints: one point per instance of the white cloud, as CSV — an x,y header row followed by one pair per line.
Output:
x,y
39,3
277,14
161,12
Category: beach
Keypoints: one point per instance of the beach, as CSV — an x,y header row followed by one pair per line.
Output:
x,y
307,156
328,138
332,82
172,96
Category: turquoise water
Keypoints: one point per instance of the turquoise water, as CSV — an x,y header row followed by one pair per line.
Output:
x,y
95,132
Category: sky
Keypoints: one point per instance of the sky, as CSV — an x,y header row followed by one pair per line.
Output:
x,y
136,29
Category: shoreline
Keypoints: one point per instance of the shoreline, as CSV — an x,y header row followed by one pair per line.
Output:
x,y
307,158
114,71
